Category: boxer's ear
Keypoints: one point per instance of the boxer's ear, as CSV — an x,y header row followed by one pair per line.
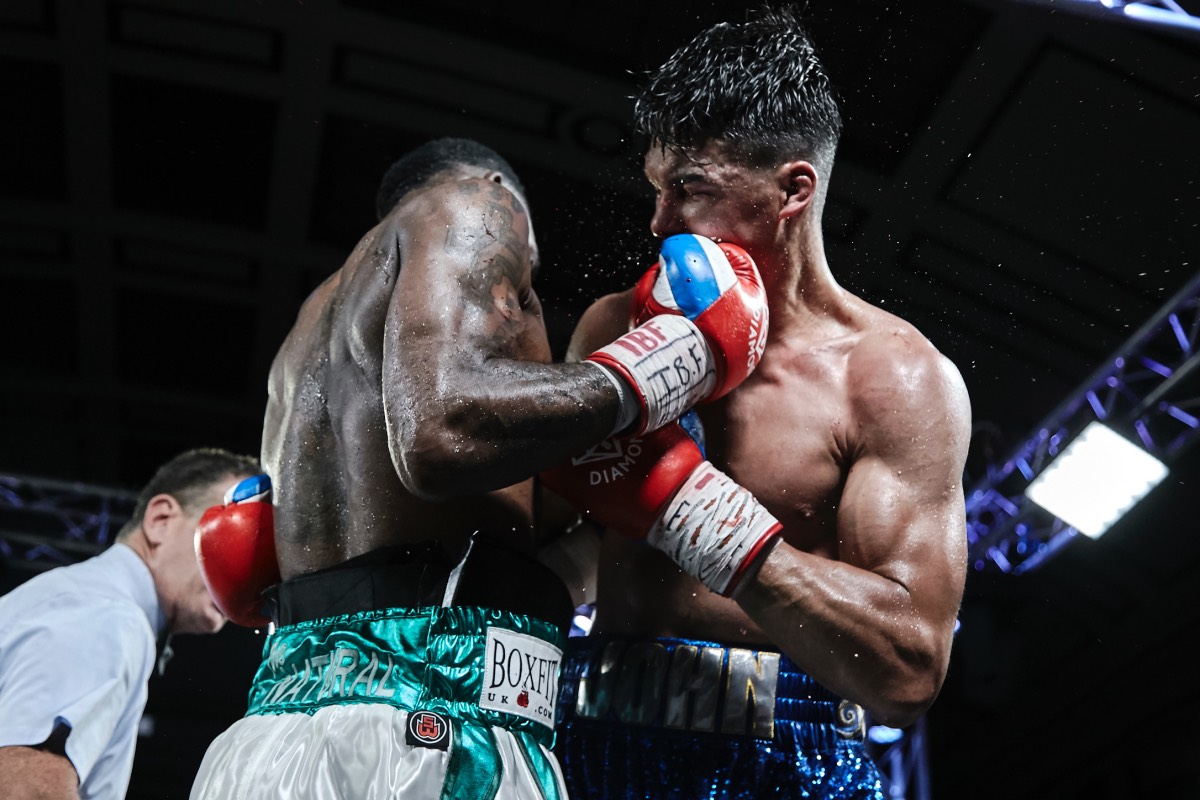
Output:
x,y
798,182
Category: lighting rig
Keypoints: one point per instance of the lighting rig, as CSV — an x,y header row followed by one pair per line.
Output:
x,y
1147,394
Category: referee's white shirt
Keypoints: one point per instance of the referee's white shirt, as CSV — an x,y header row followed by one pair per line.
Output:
x,y
77,645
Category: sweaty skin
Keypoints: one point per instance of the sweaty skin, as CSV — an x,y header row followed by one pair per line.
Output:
x,y
852,431
418,374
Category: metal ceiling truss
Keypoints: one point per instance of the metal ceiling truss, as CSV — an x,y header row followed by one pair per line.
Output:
x,y
1147,391
46,524
903,760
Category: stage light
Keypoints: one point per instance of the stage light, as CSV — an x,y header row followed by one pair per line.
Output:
x,y
1172,16
882,734
581,623
1099,477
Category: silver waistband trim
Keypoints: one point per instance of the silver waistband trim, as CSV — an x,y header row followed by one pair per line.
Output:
x,y
687,687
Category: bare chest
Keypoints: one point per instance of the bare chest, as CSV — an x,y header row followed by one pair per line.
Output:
x,y
787,441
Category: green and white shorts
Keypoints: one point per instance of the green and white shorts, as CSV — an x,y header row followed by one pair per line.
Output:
x,y
434,702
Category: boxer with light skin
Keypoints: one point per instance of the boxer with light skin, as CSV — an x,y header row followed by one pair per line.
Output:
x,y
409,409
852,433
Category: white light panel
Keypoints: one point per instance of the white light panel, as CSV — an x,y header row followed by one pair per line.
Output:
x,y
1099,477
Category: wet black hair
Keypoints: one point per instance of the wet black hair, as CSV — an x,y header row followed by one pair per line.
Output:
x,y
419,165
757,85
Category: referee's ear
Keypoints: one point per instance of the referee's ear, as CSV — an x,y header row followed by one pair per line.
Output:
x,y
156,522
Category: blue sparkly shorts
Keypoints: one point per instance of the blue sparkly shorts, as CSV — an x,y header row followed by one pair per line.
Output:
x,y
687,719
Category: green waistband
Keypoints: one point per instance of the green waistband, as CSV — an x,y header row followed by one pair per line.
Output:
x,y
467,662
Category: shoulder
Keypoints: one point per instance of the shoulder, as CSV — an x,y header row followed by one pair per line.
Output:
x,y
898,381
894,351
466,226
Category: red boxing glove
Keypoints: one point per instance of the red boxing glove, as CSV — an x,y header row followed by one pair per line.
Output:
x,y
235,546
659,487
701,313
716,285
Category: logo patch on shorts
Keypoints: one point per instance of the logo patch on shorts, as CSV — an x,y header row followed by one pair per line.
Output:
x,y
428,729
520,676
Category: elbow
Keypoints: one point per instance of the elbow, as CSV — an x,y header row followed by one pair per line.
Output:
x,y
914,684
900,711
425,481
449,454
430,464
902,704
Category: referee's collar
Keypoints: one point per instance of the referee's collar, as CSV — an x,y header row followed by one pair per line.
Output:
x,y
140,584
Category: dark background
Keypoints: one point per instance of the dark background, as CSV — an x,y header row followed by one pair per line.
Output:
x,y
1017,179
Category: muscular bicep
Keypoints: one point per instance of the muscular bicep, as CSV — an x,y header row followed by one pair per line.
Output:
x,y
904,530
902,510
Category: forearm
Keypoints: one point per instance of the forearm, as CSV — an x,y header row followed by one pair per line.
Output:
x,y
28,772
858,633
500,424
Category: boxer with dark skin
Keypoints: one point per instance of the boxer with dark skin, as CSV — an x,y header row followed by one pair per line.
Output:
x,y
410,376
418,372
852,432
409,408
